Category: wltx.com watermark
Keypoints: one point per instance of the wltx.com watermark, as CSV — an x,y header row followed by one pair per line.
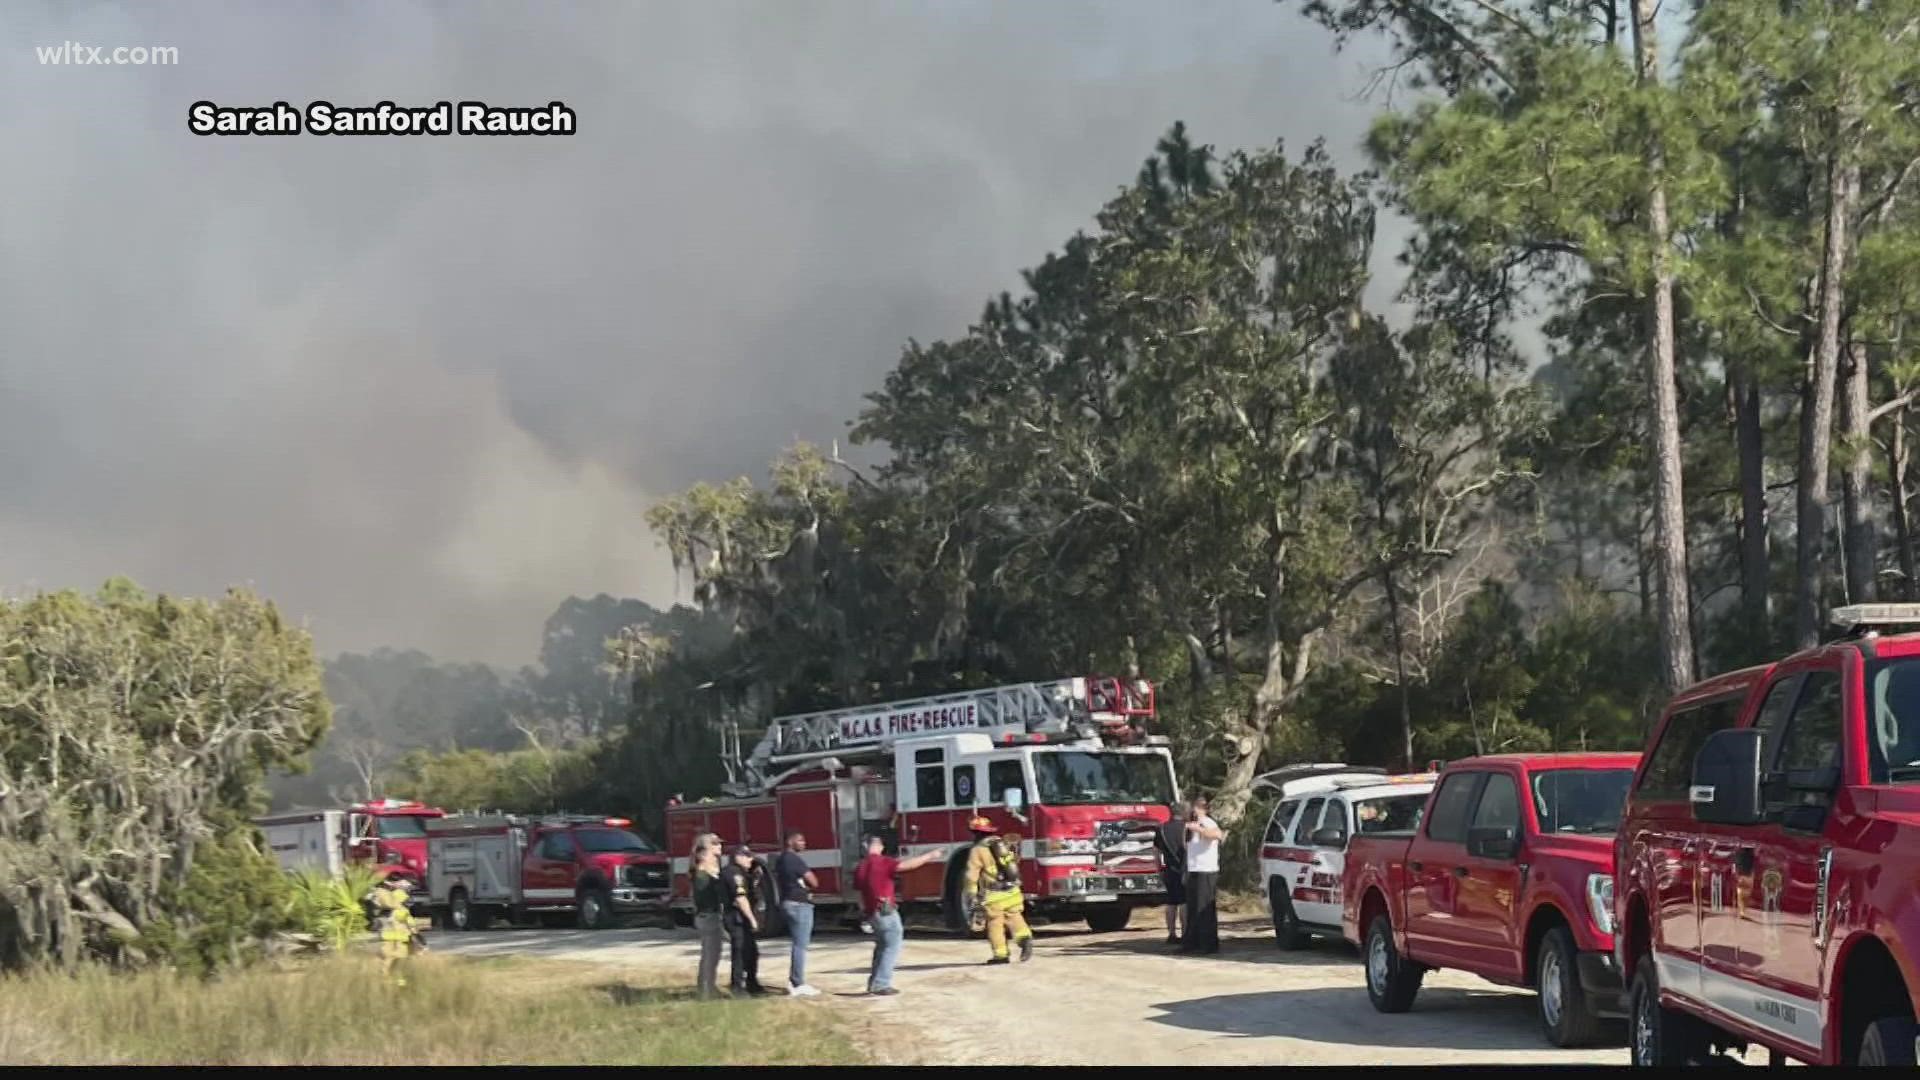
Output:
x,y
74,54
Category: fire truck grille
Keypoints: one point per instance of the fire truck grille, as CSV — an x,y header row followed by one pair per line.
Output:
x,y
1125,847
647,877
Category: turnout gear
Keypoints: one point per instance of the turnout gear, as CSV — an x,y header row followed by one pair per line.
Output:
x,y
993,879
399,932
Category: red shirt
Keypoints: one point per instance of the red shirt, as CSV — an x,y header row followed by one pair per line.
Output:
x,y
874,878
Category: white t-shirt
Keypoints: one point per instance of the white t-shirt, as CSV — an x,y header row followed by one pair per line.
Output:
x,y
1203,855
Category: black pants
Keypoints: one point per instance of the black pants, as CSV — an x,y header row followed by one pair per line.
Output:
x,y
1203,918
746,953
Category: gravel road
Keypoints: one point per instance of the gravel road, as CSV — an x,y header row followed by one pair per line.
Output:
x,y
1112,999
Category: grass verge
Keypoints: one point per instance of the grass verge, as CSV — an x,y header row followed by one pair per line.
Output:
x,y
453,1012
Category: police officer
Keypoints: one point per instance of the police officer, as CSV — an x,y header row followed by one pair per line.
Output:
x,y
738,882
993,877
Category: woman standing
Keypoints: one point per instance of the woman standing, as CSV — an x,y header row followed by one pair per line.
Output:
x,y
703,866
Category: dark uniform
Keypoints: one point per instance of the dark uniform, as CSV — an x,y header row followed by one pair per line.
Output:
x,y
736,883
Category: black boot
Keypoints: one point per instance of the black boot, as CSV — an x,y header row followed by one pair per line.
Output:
x,y
1026,949
1000,960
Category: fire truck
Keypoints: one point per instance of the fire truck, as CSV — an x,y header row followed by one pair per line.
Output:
x,y
488,866
389,833
1066,764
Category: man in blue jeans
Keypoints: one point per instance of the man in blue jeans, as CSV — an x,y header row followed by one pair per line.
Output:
x,y
796,884
880,902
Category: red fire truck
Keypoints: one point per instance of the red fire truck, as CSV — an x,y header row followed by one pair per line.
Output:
x,y
488,866
390,833
1066,764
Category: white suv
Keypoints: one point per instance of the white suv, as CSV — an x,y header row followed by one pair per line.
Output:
x,y
1304,851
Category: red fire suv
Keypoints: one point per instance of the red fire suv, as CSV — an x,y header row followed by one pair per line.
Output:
x,y
1769,856
1508,875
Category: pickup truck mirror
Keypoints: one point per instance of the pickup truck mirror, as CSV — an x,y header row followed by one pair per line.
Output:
x,y
1493,843
1330,838
1726,778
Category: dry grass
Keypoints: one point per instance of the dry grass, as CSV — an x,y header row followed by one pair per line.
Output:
x,y
453,1012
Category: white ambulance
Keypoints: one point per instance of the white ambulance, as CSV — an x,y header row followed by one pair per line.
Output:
x,y
1304,851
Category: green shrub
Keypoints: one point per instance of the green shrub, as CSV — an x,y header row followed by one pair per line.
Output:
x,y
332,908
233,900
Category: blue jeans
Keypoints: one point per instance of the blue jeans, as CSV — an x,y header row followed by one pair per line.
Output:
x,y
888,932
800,929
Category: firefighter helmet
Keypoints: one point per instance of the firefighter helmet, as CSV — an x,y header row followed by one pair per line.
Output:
x,y
980,824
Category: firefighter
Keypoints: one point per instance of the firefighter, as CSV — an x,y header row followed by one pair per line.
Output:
x,y
993,878
399,934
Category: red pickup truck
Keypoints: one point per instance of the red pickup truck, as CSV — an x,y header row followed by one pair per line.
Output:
x,y
1509,875
1769,858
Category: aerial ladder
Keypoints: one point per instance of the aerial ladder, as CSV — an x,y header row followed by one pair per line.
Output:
x,y
1113,709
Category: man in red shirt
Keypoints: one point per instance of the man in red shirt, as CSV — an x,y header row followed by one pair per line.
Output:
x,y
879,900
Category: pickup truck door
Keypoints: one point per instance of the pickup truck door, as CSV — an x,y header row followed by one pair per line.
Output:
x,y
1436,859
1778,895
1488,885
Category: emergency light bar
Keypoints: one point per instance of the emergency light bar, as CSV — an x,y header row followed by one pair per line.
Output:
x,y
1868,616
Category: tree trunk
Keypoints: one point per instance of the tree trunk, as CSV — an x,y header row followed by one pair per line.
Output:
x,y
1400,671
1902,526
1862,546
1816,409
1755,594
1669,516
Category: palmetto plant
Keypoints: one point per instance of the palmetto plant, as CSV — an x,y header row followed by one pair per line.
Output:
x,y
333,908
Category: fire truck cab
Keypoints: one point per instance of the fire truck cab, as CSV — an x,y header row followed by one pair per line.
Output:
x,y
389,833
1064,765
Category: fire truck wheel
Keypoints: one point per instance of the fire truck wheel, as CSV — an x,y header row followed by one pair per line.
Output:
x,y
1392,979
957,905
1889,1042
596,909
459,912
1566,1015
1109,920
682,919
1659,1037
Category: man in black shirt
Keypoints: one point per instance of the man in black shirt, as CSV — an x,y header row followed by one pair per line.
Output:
x,y
1171,840
737,883
796,884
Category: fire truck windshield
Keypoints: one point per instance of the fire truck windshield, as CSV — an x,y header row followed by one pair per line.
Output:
x,y
399,828
1067,777
1580,800
606,841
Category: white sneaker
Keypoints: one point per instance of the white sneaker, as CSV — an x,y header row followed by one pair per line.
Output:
x,y
803,991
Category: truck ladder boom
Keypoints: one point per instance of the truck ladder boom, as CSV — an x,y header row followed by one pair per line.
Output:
x,y
1059,706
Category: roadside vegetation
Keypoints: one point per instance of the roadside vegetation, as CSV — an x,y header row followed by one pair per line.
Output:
x,y
338,1011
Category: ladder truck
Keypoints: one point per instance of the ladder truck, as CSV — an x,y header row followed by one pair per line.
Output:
x,y
1066,764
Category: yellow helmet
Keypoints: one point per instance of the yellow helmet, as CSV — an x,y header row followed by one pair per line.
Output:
x,y
980,824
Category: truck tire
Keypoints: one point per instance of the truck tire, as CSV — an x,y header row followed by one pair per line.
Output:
x,y
1286,925
1109,920
1889,1042
1392,979
595,908
463,914
1566,1015
1659,1037
956,907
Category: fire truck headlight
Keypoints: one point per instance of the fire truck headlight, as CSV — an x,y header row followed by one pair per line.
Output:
x,y
1600,901
392,857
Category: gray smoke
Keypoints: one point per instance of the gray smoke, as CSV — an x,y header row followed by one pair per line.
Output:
x,y
420,389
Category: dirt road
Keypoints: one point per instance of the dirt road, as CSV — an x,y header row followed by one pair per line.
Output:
x,y
1113,999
